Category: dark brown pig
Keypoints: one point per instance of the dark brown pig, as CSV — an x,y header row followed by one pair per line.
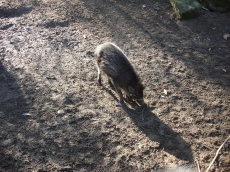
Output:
x,y
121,75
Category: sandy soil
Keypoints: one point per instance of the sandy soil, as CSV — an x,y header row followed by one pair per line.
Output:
x,y
47,70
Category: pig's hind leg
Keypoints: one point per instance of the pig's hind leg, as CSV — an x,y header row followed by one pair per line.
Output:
x,y
99,76
110,82
121,102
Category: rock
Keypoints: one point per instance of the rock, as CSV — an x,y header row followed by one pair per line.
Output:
x,y
217,5
185,9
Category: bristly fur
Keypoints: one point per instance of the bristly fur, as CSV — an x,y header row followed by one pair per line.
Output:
x,y
113,62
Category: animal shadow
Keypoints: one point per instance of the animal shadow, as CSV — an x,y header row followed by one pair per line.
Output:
x,y
169,140
157,131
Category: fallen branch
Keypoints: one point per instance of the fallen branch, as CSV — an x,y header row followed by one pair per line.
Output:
x,y
217,152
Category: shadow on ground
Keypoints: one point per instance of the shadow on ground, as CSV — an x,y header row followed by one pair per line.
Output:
x,y
13,102
44,138
53,24
157,131
14,12
12,106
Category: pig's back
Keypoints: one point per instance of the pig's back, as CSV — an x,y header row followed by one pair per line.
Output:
x,y
112,60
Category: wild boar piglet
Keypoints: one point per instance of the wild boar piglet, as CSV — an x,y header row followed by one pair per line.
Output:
x,y
121,75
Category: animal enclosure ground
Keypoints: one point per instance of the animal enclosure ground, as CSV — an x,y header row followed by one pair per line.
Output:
x,y
54,117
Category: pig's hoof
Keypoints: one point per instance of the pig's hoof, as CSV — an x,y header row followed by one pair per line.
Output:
x,y
99,84
118,105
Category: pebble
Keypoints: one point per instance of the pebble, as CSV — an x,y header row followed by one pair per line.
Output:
x,y
60,111
26,114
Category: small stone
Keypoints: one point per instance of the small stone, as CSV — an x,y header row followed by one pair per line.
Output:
x,y
60,112
26,114
165,92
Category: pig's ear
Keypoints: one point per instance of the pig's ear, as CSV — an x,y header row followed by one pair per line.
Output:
x,y
131,89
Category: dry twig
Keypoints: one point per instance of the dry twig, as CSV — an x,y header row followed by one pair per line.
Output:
x,y
217,152
198,166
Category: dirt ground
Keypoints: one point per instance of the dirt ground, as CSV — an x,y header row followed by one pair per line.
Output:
x,y
54,117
